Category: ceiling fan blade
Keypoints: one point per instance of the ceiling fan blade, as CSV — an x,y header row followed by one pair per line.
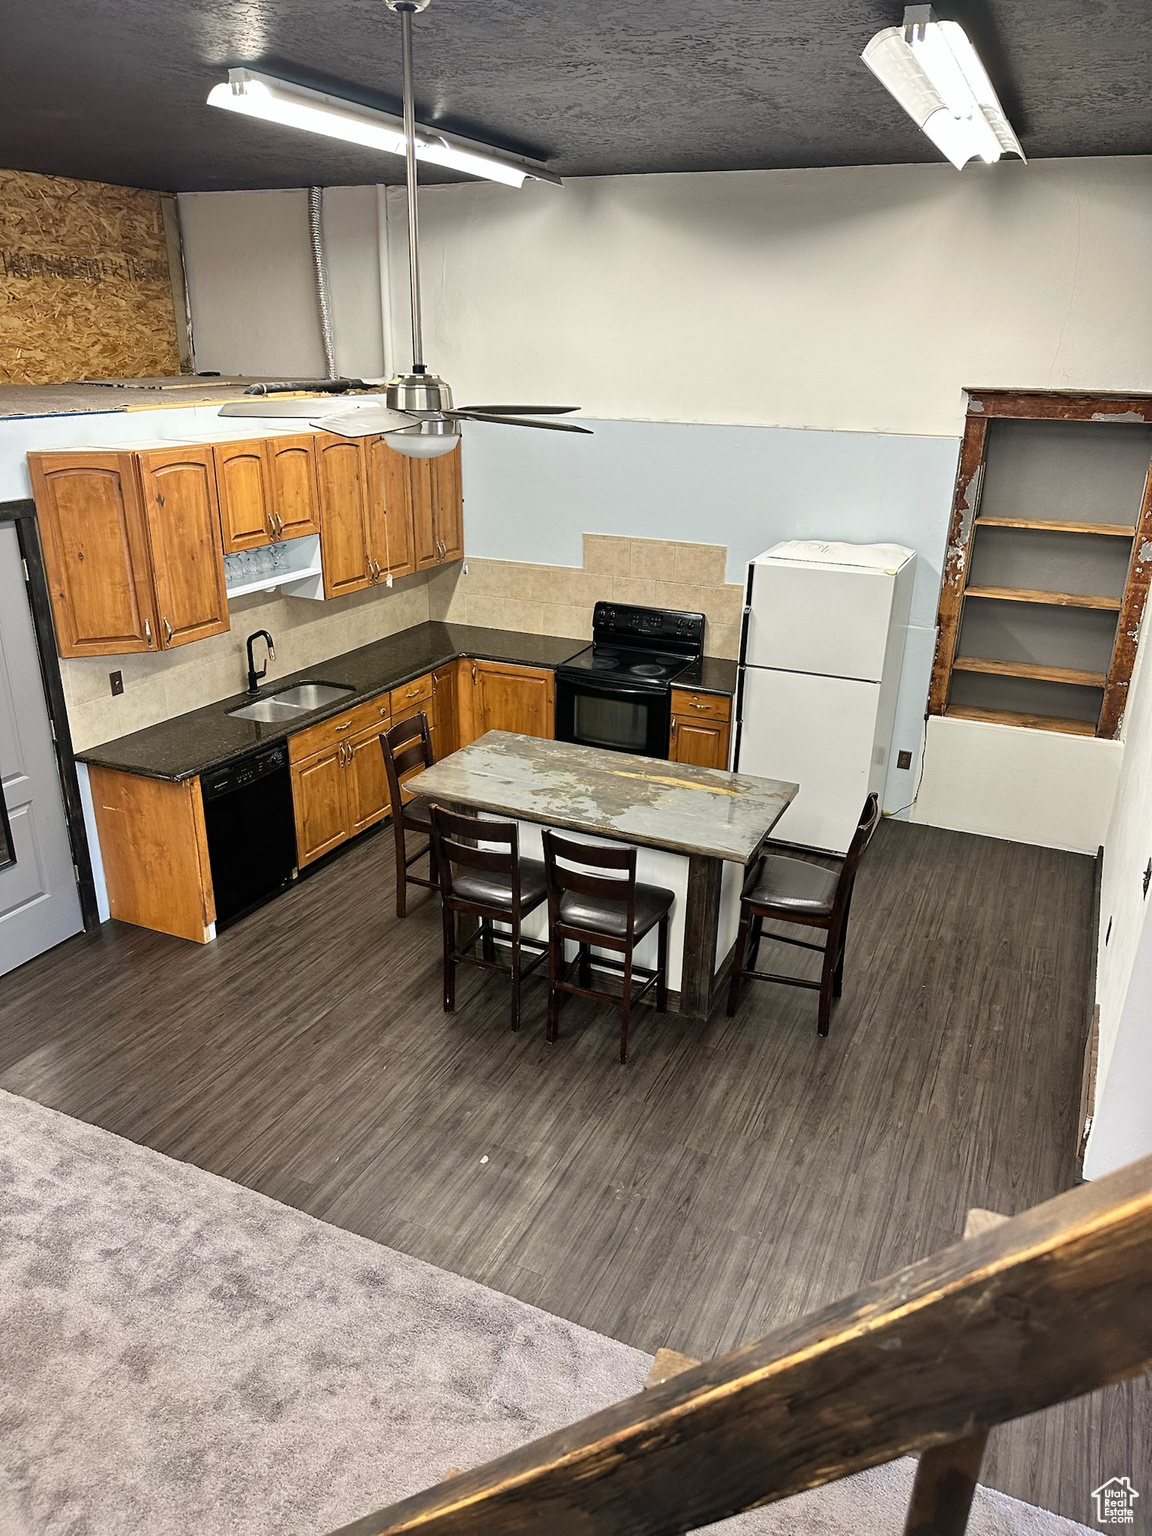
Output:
x,y
513,421
521,410
371,419
273,406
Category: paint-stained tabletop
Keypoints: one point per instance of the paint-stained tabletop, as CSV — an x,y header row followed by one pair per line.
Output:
x,y
612,794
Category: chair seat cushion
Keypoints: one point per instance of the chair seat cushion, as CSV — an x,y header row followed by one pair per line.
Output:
x,y
415,816
490,890
611,917
793,885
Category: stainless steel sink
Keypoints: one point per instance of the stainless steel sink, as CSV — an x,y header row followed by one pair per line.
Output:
x,y
268,710
312,695
291,703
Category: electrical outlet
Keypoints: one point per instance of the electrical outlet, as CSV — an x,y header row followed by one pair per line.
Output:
x,y
116,679
903,759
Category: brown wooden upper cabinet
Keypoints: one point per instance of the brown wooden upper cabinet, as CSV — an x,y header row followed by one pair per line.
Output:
x,y
390,510
267,489
437,510
295,496
342,475
132,546
513,698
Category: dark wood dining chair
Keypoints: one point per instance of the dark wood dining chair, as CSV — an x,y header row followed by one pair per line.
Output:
x,y
407,746
785,890
493,885
609,911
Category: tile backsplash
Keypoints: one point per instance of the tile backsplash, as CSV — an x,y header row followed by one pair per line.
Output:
x,y
166,683
498,594
558,599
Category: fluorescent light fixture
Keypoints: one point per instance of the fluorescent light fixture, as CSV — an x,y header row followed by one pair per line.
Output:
x,y
297,106
935,74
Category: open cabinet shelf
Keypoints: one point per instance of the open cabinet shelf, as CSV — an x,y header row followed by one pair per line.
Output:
x,y
1048,565
1030,669
1033,595
1047,525
1014,717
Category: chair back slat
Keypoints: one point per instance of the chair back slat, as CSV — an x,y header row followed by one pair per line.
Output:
x,y
618,889
869,821
454,837
406,746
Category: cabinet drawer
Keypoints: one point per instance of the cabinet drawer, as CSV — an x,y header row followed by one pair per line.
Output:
x,y
701,706
412,696
318,738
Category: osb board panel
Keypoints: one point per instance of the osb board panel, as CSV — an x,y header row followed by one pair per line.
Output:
x,y
84,282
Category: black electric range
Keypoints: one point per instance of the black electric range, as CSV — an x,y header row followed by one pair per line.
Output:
x,y
618,692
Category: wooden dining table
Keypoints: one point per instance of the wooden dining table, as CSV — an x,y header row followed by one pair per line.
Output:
x,y
695,830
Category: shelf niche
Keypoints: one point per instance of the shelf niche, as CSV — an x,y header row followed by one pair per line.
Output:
x,y
1044,585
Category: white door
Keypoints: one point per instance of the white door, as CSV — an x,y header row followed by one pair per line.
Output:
x,y
39,903
818,732
831,619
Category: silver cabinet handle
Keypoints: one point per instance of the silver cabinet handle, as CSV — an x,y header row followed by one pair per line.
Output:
x,y
376,568
699,706
344,726
148,631
167,630
279,521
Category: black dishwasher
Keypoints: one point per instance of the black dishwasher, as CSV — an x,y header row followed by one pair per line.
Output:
x,y
251,830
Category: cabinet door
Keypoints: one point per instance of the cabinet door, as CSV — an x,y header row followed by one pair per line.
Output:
x,y
448,505
179,487
340,474
320,801
293,497
445,716
243,489
96,550
389,508
425,550
367,781
510,698
704,743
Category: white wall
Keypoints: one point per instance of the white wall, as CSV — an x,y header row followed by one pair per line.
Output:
x,y
1029,786
252,289
1124,955
851,300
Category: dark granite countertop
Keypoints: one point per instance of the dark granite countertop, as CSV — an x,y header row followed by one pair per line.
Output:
x,y
711,674
613,794
191,744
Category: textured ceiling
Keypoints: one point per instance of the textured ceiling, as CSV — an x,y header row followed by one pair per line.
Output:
x,y
114,89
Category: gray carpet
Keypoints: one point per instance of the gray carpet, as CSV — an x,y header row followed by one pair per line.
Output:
x,y
182,1357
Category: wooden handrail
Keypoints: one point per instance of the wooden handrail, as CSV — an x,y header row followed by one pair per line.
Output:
x,y
1050,1305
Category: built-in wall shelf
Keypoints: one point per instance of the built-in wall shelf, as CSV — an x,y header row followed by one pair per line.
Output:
x,y
268,566
1031,595
1049,557
1014,717
1047,525
1030,669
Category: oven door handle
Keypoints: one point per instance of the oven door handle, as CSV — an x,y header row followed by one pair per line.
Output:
x,y
611,691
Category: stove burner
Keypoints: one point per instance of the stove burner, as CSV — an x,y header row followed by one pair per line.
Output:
x,y
647,669
604,663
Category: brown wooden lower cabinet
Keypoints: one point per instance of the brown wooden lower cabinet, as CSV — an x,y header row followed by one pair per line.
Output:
x,y
338,782
155,852
700,729
506,697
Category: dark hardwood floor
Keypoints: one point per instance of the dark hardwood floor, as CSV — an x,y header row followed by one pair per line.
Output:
x,y
729,1178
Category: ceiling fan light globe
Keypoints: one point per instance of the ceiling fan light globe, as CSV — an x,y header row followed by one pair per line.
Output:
x,y
427,440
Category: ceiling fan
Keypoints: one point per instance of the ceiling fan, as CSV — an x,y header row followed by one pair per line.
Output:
x,y
417,409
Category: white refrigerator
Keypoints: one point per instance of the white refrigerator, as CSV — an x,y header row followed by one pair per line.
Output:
x,y
820,658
